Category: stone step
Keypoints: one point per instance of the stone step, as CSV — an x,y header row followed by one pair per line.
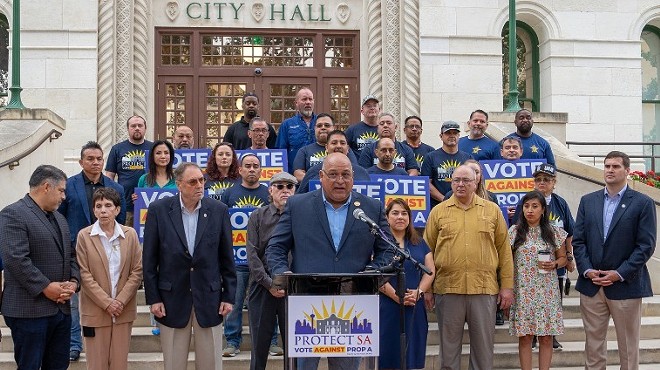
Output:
x,y
506,357
571,310
143,341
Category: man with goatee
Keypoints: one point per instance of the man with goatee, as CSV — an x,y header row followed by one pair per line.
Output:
x,y
126,161
237,133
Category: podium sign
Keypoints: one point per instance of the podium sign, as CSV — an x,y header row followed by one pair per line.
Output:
x,y
333,326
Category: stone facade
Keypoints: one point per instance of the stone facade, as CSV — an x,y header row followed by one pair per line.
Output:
x,y
92,63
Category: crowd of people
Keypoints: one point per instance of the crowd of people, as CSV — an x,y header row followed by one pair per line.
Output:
x,y
70,241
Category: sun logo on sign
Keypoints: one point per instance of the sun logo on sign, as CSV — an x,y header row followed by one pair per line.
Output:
x,y
333,321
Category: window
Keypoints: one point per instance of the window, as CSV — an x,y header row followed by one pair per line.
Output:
x,y
527,44
651,91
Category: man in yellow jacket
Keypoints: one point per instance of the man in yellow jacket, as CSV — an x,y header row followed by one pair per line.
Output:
x,y
474,270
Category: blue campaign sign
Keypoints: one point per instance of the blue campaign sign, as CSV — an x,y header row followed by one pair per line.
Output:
x,y
145,197
510,180
412,189
371,189
239,220
197,156
272,161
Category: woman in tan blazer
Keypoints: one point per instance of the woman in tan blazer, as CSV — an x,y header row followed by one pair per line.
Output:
x,y
110,260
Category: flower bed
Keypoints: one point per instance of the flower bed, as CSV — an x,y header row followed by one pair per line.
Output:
x,y
649,178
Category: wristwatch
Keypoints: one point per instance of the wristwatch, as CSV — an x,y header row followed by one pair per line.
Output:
x,y
569,256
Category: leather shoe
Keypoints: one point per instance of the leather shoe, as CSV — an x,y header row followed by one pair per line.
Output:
x,y
74,355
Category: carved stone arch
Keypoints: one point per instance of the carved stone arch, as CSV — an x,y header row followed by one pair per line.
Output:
x,y
537,16
646,17
6,9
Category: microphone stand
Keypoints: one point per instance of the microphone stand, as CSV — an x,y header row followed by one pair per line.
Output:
x,y
400,255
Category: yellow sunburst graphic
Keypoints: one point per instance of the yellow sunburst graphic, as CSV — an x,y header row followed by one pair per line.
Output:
x,y
324,313
222,185
419,159
134,155
450,164
369,136
319,155
248,202
133,160
552,217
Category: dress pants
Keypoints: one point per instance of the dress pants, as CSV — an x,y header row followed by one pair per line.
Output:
x,y
627,317
175,343
41,343
453,311
108,348
264,311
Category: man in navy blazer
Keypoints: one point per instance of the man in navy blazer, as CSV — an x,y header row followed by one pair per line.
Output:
x,y
320,232
77,209
189,275
614,237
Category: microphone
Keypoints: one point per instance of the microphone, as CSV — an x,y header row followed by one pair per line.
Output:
x,y
359,214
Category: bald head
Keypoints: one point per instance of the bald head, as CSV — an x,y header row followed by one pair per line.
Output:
x,y
183,138
336,159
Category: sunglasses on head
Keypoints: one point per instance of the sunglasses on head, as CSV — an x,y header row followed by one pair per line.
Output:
x,y
282,186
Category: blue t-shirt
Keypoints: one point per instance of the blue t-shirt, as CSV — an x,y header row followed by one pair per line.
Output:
x,y
294,134
309,156
215,188
419,152
359,174
313,154
404,156
439,167
127,161
398,171
239,196
536,147
483,148
360,135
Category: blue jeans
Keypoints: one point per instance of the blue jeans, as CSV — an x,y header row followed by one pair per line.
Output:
x,y
76,336
234,321
41,343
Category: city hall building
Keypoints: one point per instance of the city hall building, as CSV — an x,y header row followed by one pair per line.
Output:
x,y
174,62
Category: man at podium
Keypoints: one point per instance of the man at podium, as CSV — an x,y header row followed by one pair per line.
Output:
x,y
320,232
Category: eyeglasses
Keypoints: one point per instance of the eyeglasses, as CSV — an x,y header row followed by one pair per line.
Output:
x,y
282,186
336,176
193,182
543,179
462,181
320,125
259,130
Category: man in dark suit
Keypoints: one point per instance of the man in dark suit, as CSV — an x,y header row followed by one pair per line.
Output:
x,y
320,232
189,275
614,237
41,273
77,208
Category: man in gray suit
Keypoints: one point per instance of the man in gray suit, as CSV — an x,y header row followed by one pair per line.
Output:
x,y
41,273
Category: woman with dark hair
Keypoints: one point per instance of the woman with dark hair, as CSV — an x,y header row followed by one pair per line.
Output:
x,y
399,217
110,260
222,170
161,173
538,250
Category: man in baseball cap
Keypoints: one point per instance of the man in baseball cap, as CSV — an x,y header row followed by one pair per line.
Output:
x,y
266,300
364,132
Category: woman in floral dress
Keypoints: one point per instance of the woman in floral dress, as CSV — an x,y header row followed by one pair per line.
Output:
x,y
537,306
